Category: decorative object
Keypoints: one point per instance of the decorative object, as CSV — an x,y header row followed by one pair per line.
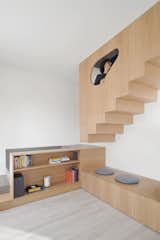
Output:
x,y
47,181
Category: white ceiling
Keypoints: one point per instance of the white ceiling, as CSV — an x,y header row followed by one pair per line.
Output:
x,y
55,35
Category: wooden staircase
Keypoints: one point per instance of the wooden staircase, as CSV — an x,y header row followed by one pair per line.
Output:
x,y
140,91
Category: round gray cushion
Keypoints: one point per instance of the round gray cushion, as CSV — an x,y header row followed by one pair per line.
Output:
x,y
105,171
127,179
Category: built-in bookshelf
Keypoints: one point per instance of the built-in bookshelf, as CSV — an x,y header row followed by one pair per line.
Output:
x,y
34,167
79,157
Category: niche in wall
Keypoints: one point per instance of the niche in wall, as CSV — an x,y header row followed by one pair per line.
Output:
x,y
103,66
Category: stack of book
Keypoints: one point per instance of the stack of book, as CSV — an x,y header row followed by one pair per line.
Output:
x,y
56,160
22,161
72,175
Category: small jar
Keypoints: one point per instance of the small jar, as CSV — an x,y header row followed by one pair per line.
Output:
x,y
47,181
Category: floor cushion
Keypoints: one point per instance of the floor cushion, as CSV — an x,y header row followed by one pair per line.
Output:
x,y
127,179
104,171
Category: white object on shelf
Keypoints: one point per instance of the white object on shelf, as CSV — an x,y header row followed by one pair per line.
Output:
x,y
47,181
65,159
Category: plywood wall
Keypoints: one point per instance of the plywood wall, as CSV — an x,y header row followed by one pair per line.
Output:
x,y
138,43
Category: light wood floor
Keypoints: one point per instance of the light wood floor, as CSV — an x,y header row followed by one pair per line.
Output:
x,y
75,215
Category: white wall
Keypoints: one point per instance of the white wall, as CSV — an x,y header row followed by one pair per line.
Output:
x,y
138,149
37,110
41,110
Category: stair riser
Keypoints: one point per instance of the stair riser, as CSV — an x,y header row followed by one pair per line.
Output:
x,y
109,129
141,92
133,107
152,75
100,138
118,118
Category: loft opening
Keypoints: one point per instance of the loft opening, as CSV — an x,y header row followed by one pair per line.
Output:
x,y
102,67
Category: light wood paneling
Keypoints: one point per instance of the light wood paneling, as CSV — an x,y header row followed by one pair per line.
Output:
x,y
109,128
93,138
141,92
94,158
129,106
138,62
141,201
5,197
152,75
118,118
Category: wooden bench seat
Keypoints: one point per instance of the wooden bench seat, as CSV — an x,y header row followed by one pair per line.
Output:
x,y
140,201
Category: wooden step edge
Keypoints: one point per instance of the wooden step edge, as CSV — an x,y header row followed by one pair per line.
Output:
x,y
155,61
118,118
140,82
144,99
143,80
129,106
101,138
105,128
152,75
139,91
141,99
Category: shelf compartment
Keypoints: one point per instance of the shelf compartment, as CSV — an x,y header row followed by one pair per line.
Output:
x,y
47,166
48,192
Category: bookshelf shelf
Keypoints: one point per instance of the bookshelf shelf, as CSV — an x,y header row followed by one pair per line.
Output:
x,y
47,166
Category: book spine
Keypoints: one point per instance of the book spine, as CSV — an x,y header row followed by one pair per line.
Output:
x,y
15,162
20,162
69,176
19,158
75,173
30,160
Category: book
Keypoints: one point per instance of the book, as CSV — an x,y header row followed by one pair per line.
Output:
x,y
53,161
30,160
72,175
75,174
69,176
23,161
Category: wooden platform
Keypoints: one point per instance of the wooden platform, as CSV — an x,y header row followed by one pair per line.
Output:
x,y
140,201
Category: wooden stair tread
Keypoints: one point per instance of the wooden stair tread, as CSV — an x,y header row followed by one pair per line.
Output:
x,y
101,137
